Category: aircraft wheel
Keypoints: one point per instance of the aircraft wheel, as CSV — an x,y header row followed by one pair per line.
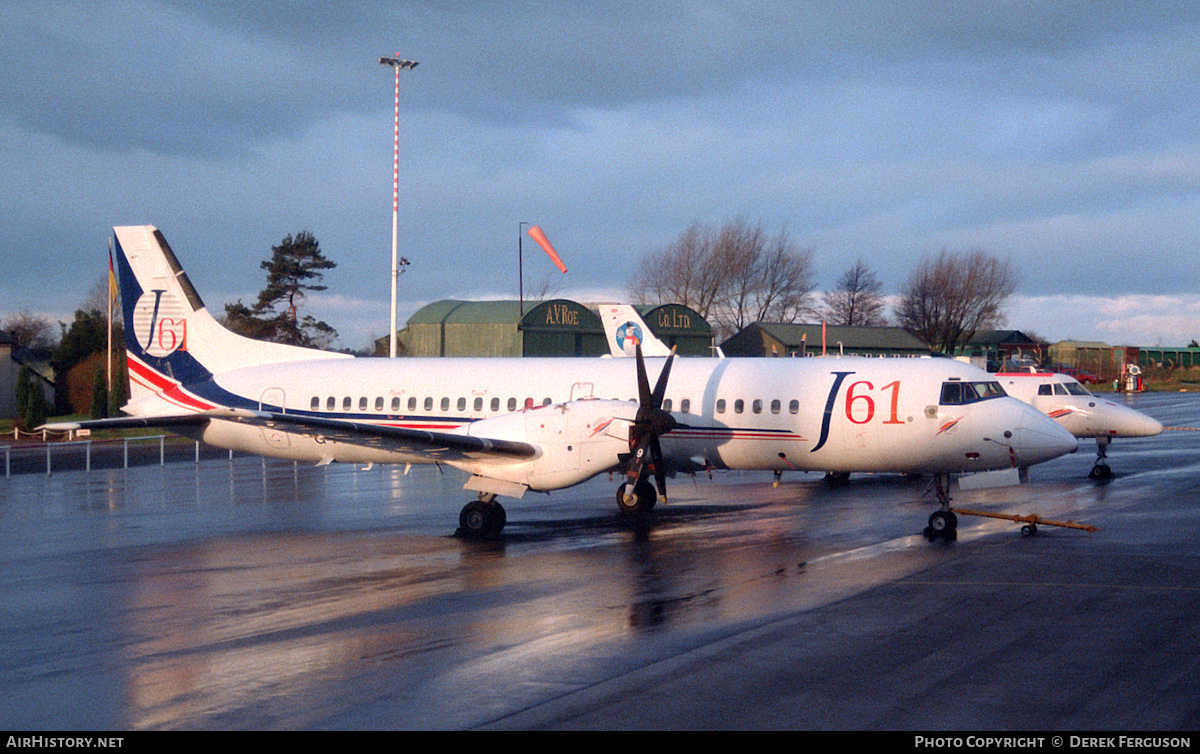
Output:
x,y
641,501
1100,471
480,520
943,525
1029,530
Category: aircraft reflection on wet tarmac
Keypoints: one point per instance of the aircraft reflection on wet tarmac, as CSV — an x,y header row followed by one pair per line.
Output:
x,y
250,593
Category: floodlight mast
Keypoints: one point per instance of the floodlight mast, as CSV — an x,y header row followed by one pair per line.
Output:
x,y
397,65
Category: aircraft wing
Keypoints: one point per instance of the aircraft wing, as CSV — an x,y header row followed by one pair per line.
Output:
x,y
437,445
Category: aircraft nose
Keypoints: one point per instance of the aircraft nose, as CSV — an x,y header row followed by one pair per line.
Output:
x,y
1149,426
1132,423
1040,438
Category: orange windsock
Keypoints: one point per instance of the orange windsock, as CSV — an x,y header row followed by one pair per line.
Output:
x,y
536,234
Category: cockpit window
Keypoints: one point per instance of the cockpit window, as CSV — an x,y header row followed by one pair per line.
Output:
x,y
1074,388
959,393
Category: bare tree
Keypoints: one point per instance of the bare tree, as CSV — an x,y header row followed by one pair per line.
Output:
x,y
951,296
30,330
857,301
683,273
733,275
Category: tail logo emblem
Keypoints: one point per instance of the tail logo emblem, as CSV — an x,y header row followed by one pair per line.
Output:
x,y
628,333
160,323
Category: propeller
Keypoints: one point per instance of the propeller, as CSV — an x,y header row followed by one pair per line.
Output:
x,y
648,425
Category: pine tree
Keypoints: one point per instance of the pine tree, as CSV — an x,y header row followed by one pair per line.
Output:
x,y
37,409
294,268
99,395
120,385
24,387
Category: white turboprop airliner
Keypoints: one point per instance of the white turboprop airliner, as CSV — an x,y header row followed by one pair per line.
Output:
x,y
1059,396
1084,415
548,423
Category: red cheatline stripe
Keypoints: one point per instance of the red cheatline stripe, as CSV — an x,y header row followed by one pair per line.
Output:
x,y
168,389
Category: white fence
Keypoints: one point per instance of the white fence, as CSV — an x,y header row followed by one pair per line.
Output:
x,y
76,454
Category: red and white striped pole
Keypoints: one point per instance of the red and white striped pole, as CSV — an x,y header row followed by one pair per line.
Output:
x,y
396,63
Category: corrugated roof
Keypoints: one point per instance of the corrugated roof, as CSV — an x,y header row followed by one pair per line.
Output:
x,y
465,312
996,337
1081,344
886,338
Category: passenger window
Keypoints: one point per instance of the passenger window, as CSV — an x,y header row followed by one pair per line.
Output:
x,y
412,403
316,403
685,406
775,406
347,403
379,403
545,401
445,404
429,403
478,404
330,403
739,406
512,404
757,406
721,406
794,406
462,404
666,404
495,405
362,403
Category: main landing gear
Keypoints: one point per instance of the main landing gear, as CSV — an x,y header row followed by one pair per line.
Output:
x,y
943,524
482,518
1101,472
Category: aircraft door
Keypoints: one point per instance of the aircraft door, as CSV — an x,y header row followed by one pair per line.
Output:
x,y
272,399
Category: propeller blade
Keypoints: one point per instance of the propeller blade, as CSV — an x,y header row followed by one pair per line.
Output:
x,y
644,394
659,479
660,388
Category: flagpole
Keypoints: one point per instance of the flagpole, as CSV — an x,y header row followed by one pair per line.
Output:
x,y
111,295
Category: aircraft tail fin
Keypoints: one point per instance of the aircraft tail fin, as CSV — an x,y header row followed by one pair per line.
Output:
x,y
171,339
625,329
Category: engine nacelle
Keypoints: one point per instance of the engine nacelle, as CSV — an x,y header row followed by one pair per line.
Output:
x,y
576,441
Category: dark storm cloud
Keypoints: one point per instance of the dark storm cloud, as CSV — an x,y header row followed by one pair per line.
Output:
x,y
1051,131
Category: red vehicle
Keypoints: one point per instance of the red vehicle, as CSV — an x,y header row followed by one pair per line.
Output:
x,y
1082,375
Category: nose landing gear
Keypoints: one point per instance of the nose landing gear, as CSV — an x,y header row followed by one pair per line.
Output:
x,y
943,524
1100,471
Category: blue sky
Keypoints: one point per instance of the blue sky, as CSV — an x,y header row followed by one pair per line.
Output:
x,y
1062,135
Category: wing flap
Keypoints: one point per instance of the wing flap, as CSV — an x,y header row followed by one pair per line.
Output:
x,y
385,436
434,444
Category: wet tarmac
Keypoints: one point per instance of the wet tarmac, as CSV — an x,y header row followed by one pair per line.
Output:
x,y
247,593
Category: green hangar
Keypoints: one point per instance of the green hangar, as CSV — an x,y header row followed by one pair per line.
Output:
x,y
558,327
